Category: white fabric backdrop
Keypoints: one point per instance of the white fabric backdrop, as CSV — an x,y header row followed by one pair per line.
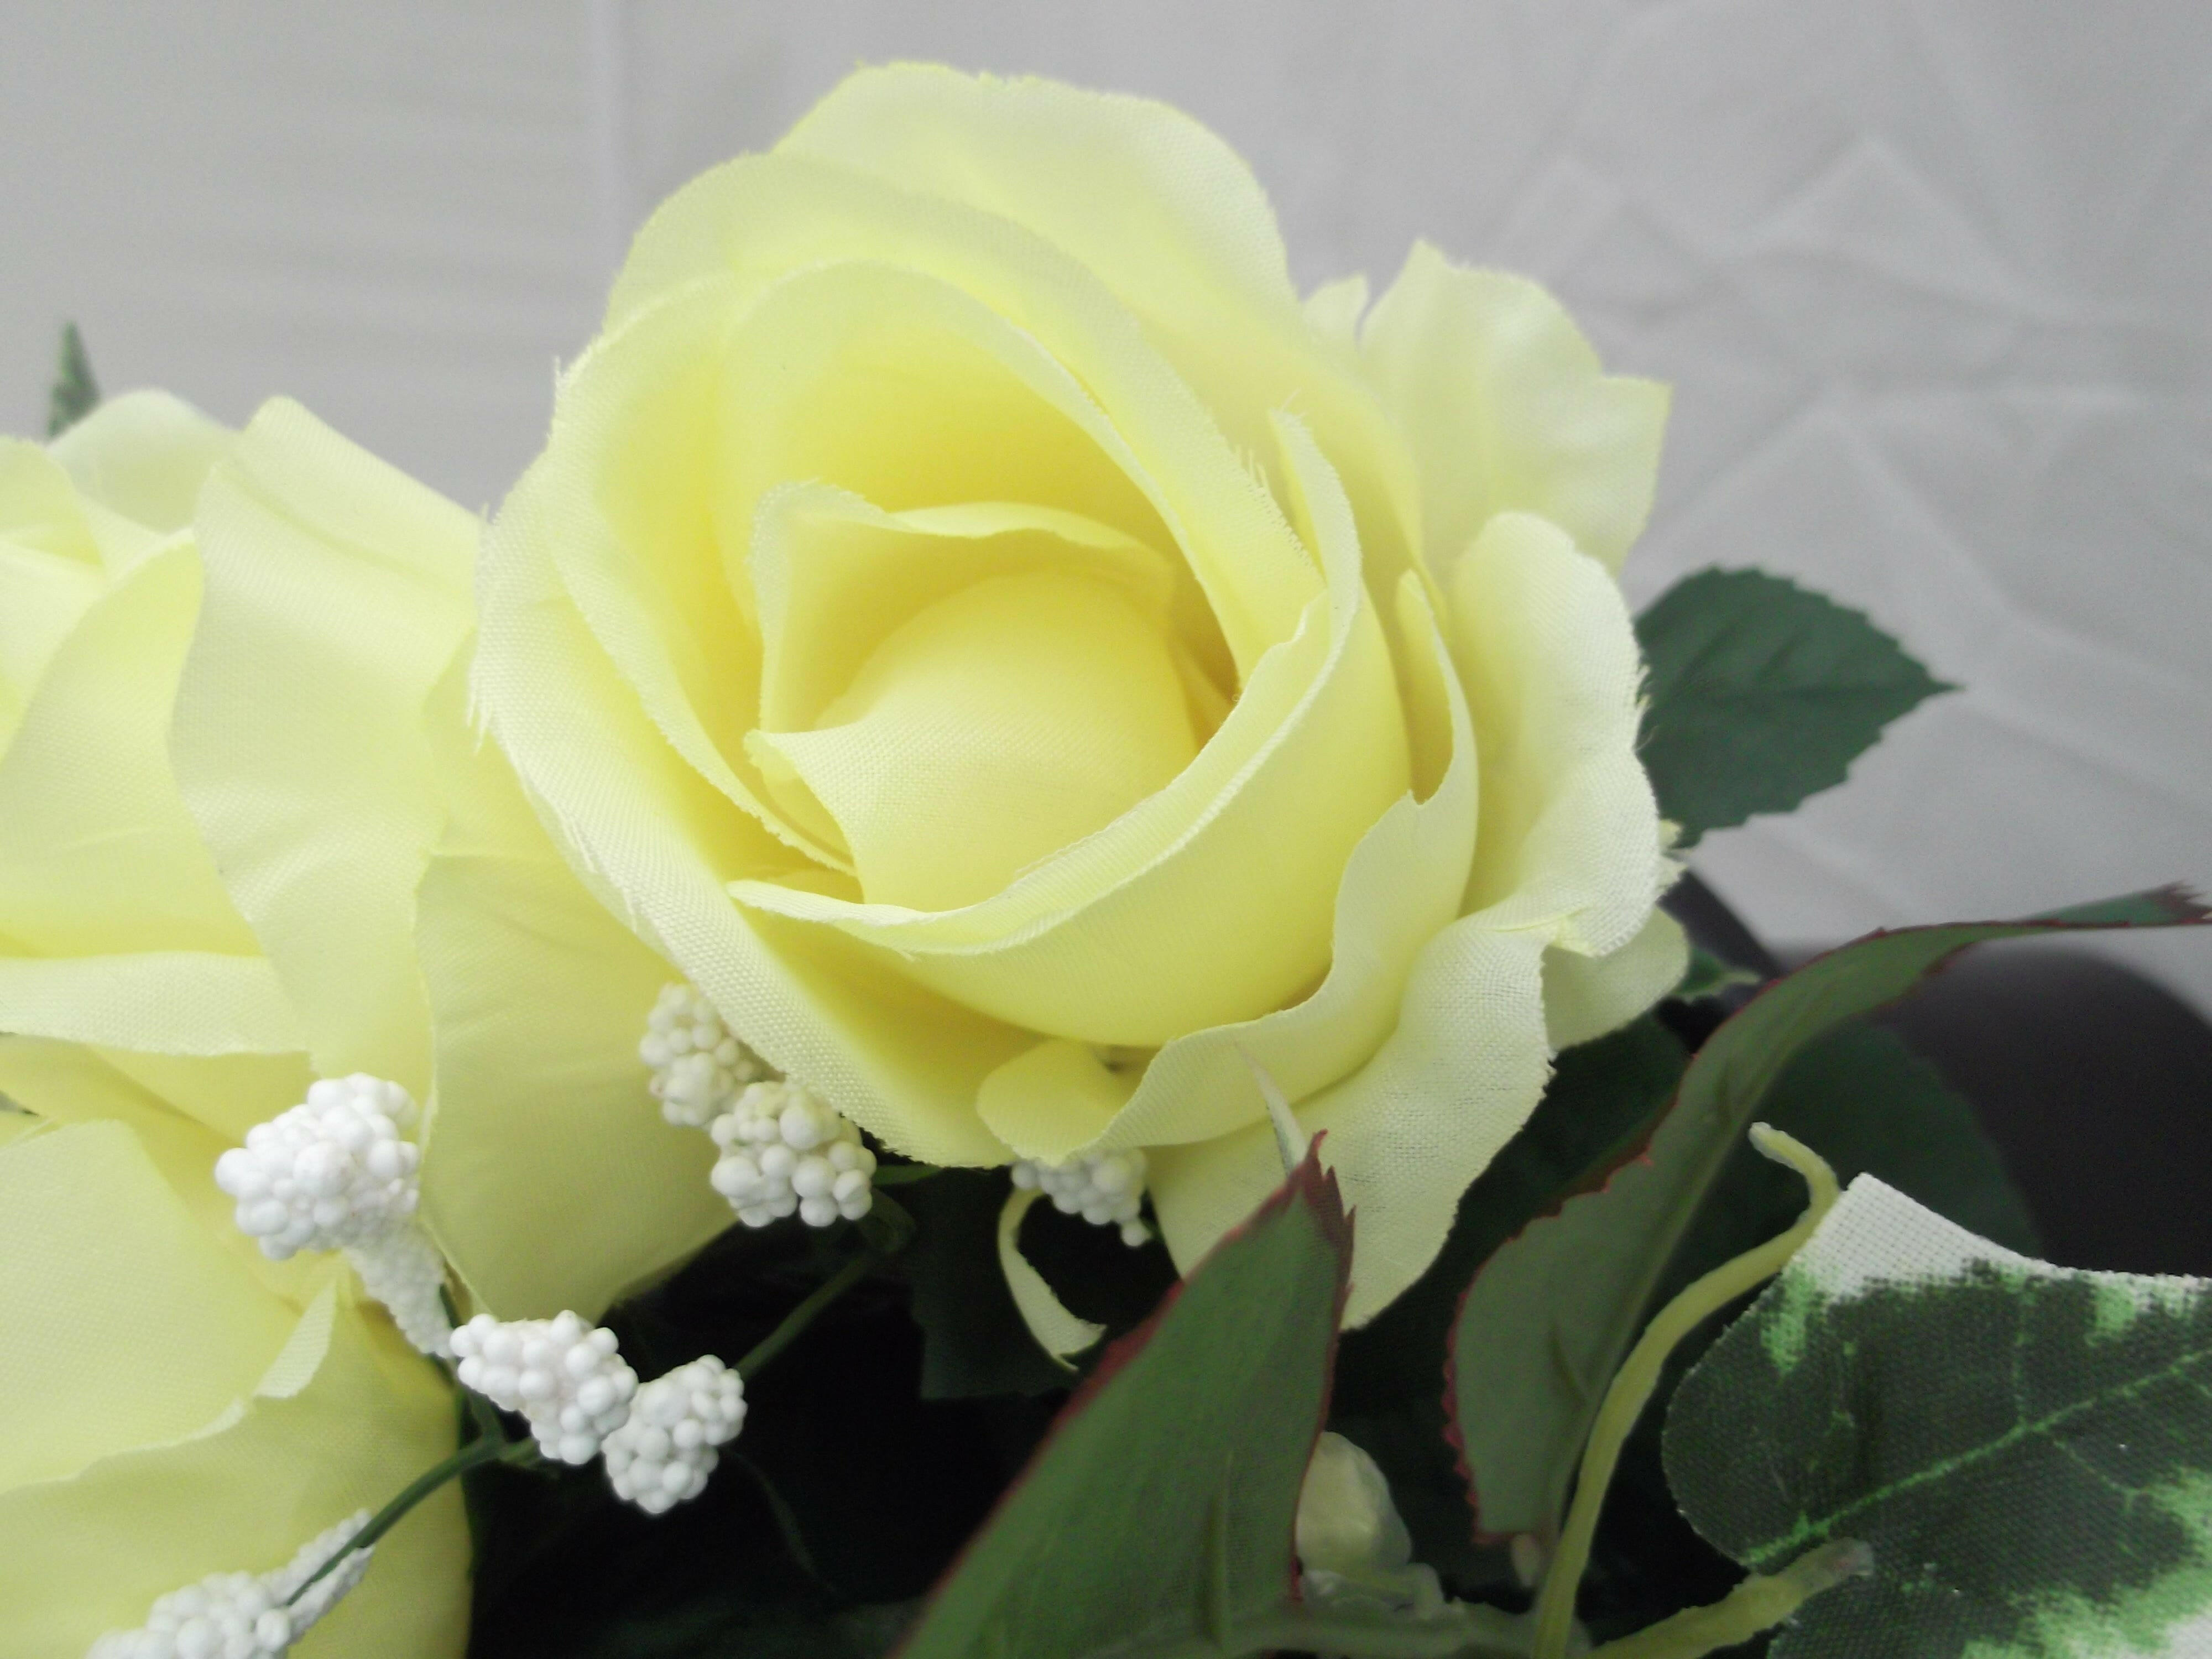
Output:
x,y
1933,283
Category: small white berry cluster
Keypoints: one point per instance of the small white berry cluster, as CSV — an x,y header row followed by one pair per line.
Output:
x,y
405,1272
698,1065
566,1377
333,1171
1105,1188
243,1615
337,1172
663,1455
785,1149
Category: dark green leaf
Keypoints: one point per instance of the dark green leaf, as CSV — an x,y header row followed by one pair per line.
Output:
x,y
1160,1510
1761,693
1573,1287
2026,1448
974,1341
75,394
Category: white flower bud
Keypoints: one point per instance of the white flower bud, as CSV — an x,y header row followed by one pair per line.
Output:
x,y
337,1172
663,1455
698,1065
1351,1546
786,1150
566,1378
334,1170
1105,1188
243,1615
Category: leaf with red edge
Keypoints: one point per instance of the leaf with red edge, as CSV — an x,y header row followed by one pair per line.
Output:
x,y
1546,1321
1159,1511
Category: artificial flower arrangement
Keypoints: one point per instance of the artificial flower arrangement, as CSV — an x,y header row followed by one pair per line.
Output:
x,y
992,977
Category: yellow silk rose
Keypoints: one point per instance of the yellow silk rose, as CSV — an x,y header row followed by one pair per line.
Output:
x,y
172,1404
129,985
1024,666
166,1415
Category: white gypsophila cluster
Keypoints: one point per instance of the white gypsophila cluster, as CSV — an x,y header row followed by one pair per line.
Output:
x,y
663,1455
566,1377
335,1170
405,1272
1105,1188
699,1066
244,1615
785,1149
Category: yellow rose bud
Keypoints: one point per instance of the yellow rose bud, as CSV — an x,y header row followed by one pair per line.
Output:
x,y
1024,666
164,1414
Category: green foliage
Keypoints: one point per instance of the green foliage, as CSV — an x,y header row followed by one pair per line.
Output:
x,y
816,1535
1572,1288
1707,976
974,1341
74,394
2027,1449
1600,1108
1762,694
1159,1513
1869,1105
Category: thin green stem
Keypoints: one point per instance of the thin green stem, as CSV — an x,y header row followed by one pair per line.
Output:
x,y
1632,1385
482,1412
489,1448
805,1314
1756,1604
903,1175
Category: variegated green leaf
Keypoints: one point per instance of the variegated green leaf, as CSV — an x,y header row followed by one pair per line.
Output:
x,y
2026,1448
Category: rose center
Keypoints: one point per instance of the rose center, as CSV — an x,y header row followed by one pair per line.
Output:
x,y
988,730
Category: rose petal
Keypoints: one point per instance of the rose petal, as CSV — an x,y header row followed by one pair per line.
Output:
x,y
1170,219
902,1063
97,854
838,246
176,1002
1003,722
1585,997
143,455
182,1130
1058,1332
1570,839
833,576
204,1424
1451,1084
337,591
1055,1100
549,1179
151,1355
1097,943
1505,407
1401,886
